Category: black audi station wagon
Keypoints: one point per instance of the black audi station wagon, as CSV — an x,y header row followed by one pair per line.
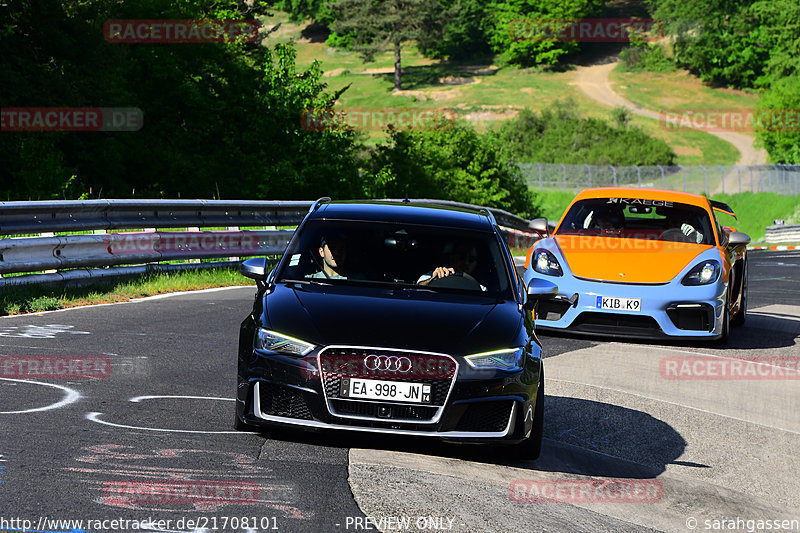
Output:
x,y
394,318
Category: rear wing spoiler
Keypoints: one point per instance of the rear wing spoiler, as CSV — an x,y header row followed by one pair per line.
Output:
x,y
723,208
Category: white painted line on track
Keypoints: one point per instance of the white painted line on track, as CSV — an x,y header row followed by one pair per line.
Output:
x,y
620,391
141,398
95,417
131,301
70,396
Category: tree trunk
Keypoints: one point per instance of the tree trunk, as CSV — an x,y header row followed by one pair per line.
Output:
x,y
397,67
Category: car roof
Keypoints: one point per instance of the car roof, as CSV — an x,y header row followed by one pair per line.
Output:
x,y
644,194
404,213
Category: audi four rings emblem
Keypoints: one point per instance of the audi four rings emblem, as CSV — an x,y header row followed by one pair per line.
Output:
x,y
387,362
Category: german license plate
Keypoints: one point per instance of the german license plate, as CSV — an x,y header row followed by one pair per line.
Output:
x,y
387,391
619,304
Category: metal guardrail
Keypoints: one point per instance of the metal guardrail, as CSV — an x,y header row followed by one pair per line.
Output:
x,y
782,233
709,179
85,215
78,253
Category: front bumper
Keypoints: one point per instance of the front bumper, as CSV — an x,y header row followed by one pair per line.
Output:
x,y
669,310
281,390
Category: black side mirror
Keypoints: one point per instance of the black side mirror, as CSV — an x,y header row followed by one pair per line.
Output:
x,y
255,268
539,289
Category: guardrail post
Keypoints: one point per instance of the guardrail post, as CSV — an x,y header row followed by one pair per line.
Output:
x,y
614,170
540,175
739,175
638,175
662,175
589,171
705,186
564,170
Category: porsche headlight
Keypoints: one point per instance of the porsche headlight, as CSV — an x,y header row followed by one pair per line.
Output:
x,y
277,342
546,263
509,359
702,274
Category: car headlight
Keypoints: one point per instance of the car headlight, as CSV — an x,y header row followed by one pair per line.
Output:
x,y
277,342
546,263
509,359
702,274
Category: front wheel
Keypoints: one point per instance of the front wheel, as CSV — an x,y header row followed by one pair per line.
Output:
x,y
726,325
531,448
741,316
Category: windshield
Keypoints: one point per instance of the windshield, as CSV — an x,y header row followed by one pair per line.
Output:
x,y
635,218
398,255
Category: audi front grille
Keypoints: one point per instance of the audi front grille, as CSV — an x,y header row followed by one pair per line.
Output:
x,y
338,363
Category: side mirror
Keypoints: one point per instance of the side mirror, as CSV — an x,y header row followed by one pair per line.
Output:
x,y
255,268
539,224
737,238
540,289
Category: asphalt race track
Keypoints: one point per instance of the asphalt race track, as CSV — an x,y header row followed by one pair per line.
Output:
x,y
131,419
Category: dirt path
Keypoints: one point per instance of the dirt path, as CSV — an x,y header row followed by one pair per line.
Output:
x,y
593,80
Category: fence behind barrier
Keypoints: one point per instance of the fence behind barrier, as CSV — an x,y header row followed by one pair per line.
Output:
x,y
708,179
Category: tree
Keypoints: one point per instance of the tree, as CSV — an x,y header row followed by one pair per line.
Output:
x,y
378,24
316,10
512,28
449,162
740,43
220,119
778,128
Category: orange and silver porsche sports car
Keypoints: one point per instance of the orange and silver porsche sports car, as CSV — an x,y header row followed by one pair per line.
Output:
x,y
642,263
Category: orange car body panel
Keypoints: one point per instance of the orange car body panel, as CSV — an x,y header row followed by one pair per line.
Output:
x,y
633,260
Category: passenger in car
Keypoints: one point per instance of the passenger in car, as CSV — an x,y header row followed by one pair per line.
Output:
x,y
333,254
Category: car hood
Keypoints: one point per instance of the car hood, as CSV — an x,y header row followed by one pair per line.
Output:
x,y
421,320
625,260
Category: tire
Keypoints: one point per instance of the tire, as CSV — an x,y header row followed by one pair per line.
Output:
x,y
726,325
531,448
741,316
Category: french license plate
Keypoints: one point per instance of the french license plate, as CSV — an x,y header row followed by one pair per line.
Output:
x,y
388,391
619,304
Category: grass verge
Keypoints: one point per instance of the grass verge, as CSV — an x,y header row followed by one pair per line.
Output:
x,y
35,298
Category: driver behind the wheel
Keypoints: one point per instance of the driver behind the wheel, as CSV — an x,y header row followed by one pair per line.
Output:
x,y
463,258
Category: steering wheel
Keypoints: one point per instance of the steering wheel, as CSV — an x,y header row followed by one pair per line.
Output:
x,y
459,280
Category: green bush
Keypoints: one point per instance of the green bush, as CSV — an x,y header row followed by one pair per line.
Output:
x,y
559,135
779,131
450,162
642,56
